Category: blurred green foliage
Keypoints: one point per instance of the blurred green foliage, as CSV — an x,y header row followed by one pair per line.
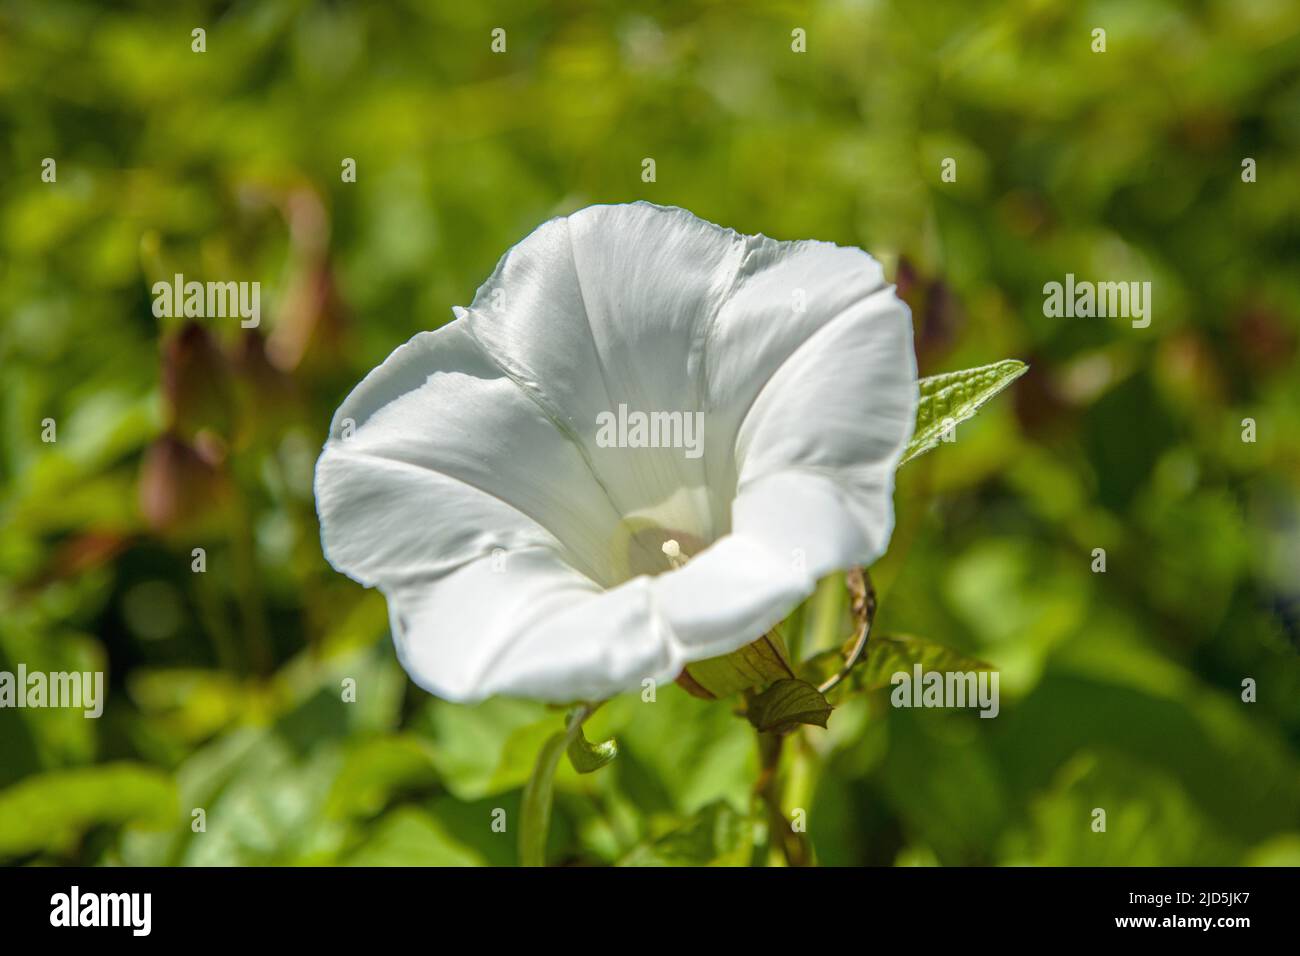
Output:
x,y
1120,690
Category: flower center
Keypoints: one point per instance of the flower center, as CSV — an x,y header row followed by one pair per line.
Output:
x,y
642,546
673,552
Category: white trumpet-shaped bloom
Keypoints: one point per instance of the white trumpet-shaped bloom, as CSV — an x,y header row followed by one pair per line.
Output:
x,y
525,485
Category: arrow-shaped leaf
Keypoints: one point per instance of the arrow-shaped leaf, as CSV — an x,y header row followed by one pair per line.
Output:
x,y
786,704
955,397
887,656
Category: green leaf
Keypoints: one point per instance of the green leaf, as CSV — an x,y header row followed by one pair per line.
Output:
x,y
374,771
754,665
956,396
716,836
265,802
587,757
1153,820
52,810
680,753
887,656
408,836
488,748
786,704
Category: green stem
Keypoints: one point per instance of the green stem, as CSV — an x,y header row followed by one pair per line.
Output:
x,y
539,792
794,846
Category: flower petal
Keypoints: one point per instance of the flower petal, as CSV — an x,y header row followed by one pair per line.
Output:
x,y
528,626
484,597
819,400
446,461
542,630
729,595
611,307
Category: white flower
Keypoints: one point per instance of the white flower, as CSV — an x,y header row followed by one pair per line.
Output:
x,y
519,555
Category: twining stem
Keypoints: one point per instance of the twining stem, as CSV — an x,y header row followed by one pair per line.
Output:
x,y
794,846
864,612
539,792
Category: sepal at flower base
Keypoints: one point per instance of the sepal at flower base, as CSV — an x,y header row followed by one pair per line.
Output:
x,y
755,665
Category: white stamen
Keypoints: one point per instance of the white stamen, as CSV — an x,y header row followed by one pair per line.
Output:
x,y
673,552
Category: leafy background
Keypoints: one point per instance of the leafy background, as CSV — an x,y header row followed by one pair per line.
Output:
x,y
1120,690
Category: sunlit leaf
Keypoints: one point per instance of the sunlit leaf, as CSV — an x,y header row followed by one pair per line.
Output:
x,y
887,656
948,400
410,837
487,748
52,810
374,770
716,836
754,665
